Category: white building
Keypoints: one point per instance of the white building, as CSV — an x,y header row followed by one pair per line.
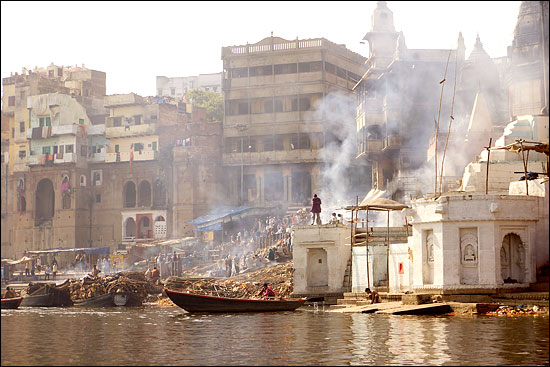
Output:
x,y
178,86
321,254
472,242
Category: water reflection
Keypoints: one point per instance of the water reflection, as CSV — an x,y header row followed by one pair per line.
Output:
x,y
170,336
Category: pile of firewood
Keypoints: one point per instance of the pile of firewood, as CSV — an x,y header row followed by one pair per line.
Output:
x,y
242,286
133,282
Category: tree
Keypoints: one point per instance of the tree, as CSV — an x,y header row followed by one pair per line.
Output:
x,y
212,101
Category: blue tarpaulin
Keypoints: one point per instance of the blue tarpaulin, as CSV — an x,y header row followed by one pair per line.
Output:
x,y
224,213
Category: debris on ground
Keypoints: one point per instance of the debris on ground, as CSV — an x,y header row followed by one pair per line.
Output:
x,y
247,285
520,310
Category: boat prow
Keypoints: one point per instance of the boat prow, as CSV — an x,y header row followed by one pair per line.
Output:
x,y
11,303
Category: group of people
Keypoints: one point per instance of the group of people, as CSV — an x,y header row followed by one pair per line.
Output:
x,y
166,264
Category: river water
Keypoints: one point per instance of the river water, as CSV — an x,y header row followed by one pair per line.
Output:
x,y
170,336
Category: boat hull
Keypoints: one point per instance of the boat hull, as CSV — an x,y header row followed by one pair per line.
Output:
x,y
127,299
11,303
46,300
199,303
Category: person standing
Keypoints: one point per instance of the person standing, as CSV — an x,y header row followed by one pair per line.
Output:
x,y
228,265
316,209
54,270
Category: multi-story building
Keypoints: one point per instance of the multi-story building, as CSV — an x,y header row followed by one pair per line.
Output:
x,y
279,116
47,204
20,163
179,86
140,189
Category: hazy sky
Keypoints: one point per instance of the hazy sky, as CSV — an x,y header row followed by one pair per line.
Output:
x,y
133,42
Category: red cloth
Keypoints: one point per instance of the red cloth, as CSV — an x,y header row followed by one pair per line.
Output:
x,y
316,207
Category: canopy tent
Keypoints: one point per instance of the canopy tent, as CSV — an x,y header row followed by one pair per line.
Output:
x,y
24,259
224,214
378,204
88,250
524,145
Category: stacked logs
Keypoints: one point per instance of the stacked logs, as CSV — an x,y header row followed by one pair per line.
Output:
x,y
241,286
133,282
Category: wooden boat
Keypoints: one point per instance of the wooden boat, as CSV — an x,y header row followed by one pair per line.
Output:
x,y
199,303
11,303
48,295
111,300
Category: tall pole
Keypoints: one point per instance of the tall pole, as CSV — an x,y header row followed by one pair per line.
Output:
x,y
367,244
438,116
487,175
242,173
524,167
388,252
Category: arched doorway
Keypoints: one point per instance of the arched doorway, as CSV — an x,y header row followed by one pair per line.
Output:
x,y
130,195
144,226
512,259
130,228
44,201
144,193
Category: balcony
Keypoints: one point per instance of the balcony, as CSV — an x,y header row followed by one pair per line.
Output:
x,y
392,142
41,159
273,157
130,130
58,130
147,155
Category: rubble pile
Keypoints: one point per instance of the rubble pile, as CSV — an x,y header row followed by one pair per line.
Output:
x,y
133,282
520,310
247,285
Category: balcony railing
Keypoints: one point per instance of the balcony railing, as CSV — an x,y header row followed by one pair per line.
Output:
x,y
42,159
392,142
130,130
272,157
147,155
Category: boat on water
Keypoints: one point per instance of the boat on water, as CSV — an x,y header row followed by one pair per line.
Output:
x,y
48,295
11,303
201,303
118,299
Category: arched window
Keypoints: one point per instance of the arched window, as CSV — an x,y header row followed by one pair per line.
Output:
x,y
144,193
44,201
130,228
130,195
82,180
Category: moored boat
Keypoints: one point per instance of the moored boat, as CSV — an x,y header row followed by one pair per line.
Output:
x,y
11,303
48,295
201,303
118,299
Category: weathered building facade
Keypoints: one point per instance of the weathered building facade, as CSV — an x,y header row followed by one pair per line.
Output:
x,y
276,123
400,102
